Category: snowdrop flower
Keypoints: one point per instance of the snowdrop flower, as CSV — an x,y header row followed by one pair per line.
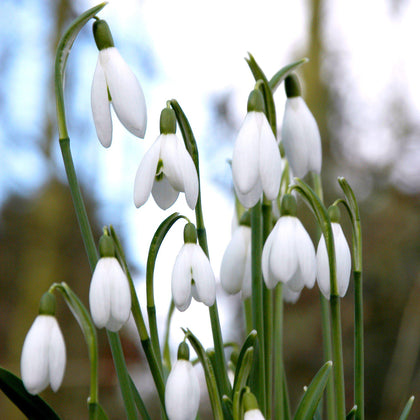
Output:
x,y
166,169
182,393
43,359
192,274
235,270
109,294
289,295
300,133
342,258
256,162
251,409
114,82
288,254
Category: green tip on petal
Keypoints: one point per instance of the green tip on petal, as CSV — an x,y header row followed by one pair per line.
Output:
x,y
183,351
292,86
255,101
167,121
245,219
47,304
250,402
106,246
190,234
334,213
288,205
102,35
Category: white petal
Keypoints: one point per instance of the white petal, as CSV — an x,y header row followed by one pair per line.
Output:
x,y
181,278
34,359
247,281
306,255
171,164
182,393
146,174
126,93
245,159
57,357
283,258
163,193
189,176
120,297
251,198
270,280
254,414
269,160
203,276
233,263
343,259
289,295
323,268
101,106
100,292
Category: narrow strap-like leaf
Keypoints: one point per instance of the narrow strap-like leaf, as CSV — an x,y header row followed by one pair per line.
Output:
x,y
249,342
139,401
241,379
96,412
310,400
276,80
32,406
407,408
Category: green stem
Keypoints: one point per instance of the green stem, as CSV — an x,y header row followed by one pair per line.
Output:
x,y
257,301
166,348
248,315
358,347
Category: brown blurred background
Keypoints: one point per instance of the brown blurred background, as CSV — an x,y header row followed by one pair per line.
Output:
x,y
40,242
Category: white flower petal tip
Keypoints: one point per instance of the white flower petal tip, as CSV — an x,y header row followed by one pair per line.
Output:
x,y
235,270
301,138
343,263
113,75
192,269
182,393
109,295
254,414
256,161
289,256
166,170
43,359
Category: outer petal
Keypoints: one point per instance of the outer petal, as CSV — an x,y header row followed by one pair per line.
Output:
x,y
34,359
269,160
126,93
270,280
323,268
343,259
101,107
182,393
247,281
306,255
254,414
181,278
57,357
251,198
163,193
289,295
100,292
146,174
120,297
203,276
171,164
233,263
189,176
245,159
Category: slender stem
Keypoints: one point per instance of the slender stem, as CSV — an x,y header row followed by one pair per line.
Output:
x,y
122,373
358,347
278,352
166,349
257,301
248,315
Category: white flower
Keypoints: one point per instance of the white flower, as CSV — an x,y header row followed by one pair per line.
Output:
x,y
289,255
254,414
289,295
301,138
113,75
256,162
166,169
343,262
182,393
192,275
43,358
109,295
235,270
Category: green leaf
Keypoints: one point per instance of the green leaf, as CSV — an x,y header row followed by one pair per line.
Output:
x,y
276,80
96,412
310,400
351,198
139,401
351,413
407,408
249,342
33,406
241,379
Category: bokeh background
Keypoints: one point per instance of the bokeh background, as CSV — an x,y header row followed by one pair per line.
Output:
x,y
363,87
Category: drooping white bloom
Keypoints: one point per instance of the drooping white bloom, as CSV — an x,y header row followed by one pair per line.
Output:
x,y
192,275
301,138
289,295
343,262
289,255
254,414
114,81
166,169
43,359
250,405
182,393
235,270
109,295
